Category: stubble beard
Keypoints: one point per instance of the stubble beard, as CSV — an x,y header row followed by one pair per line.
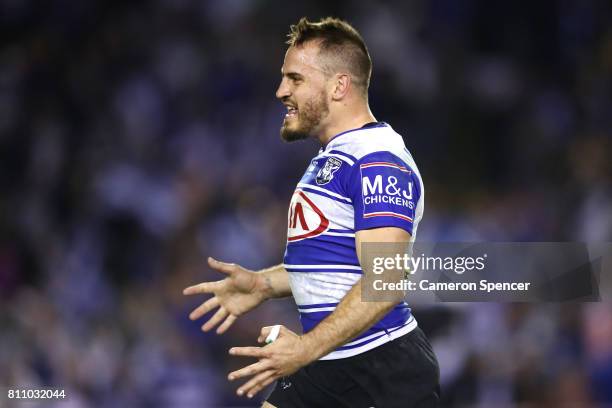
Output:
x,y
308,119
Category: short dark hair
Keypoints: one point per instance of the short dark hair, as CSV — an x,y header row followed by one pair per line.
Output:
x,y
340,42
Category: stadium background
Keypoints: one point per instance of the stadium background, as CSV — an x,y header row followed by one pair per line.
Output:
x,y
137,138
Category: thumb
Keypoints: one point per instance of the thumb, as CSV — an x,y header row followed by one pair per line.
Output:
x,y
223,267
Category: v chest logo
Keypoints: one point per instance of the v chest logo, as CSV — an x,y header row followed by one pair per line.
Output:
x,y
306,220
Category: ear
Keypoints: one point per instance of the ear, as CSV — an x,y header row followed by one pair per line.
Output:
x,y
341,85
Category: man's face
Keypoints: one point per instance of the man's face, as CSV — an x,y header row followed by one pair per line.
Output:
x,y
302,90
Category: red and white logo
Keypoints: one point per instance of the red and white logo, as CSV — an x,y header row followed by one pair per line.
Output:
x,y
306,220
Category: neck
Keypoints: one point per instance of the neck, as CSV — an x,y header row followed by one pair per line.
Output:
x,y
345,121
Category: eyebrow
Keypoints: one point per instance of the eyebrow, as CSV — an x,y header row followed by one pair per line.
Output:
x,y
292,75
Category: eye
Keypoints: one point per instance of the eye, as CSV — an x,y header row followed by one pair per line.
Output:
x,y
295,79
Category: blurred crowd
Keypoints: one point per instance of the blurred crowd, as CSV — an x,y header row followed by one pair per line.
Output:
x,y
138,138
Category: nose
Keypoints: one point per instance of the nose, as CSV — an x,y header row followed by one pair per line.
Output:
x,y
283,90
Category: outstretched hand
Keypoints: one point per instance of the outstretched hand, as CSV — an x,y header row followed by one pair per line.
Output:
x,y
287,354
235,295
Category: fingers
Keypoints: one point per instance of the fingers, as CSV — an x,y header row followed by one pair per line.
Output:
x,y
210,287
226,324
265,331
204,308
249,370
227,268
254,385
261,385
215,320
248,352
206,287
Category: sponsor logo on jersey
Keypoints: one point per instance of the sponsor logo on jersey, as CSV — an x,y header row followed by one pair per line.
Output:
x,y
326,173
306,220
387,190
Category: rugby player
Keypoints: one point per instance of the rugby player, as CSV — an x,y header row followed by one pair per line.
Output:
x,y
362,186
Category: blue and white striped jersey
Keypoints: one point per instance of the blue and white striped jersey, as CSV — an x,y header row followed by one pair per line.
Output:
x,y
364,178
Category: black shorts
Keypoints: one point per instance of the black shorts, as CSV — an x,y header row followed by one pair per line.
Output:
x,y
401,373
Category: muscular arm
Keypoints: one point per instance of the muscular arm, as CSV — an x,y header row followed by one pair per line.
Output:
x,y
274,282
353,316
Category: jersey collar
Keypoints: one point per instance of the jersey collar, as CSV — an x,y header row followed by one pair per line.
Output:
x,y
369,125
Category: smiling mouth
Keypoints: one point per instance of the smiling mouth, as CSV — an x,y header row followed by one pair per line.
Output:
x,y
291,112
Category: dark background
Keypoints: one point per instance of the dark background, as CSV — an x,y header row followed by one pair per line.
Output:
x,y
137,138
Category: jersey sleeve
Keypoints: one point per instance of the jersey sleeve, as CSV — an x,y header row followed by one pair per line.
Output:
x,y
384,191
